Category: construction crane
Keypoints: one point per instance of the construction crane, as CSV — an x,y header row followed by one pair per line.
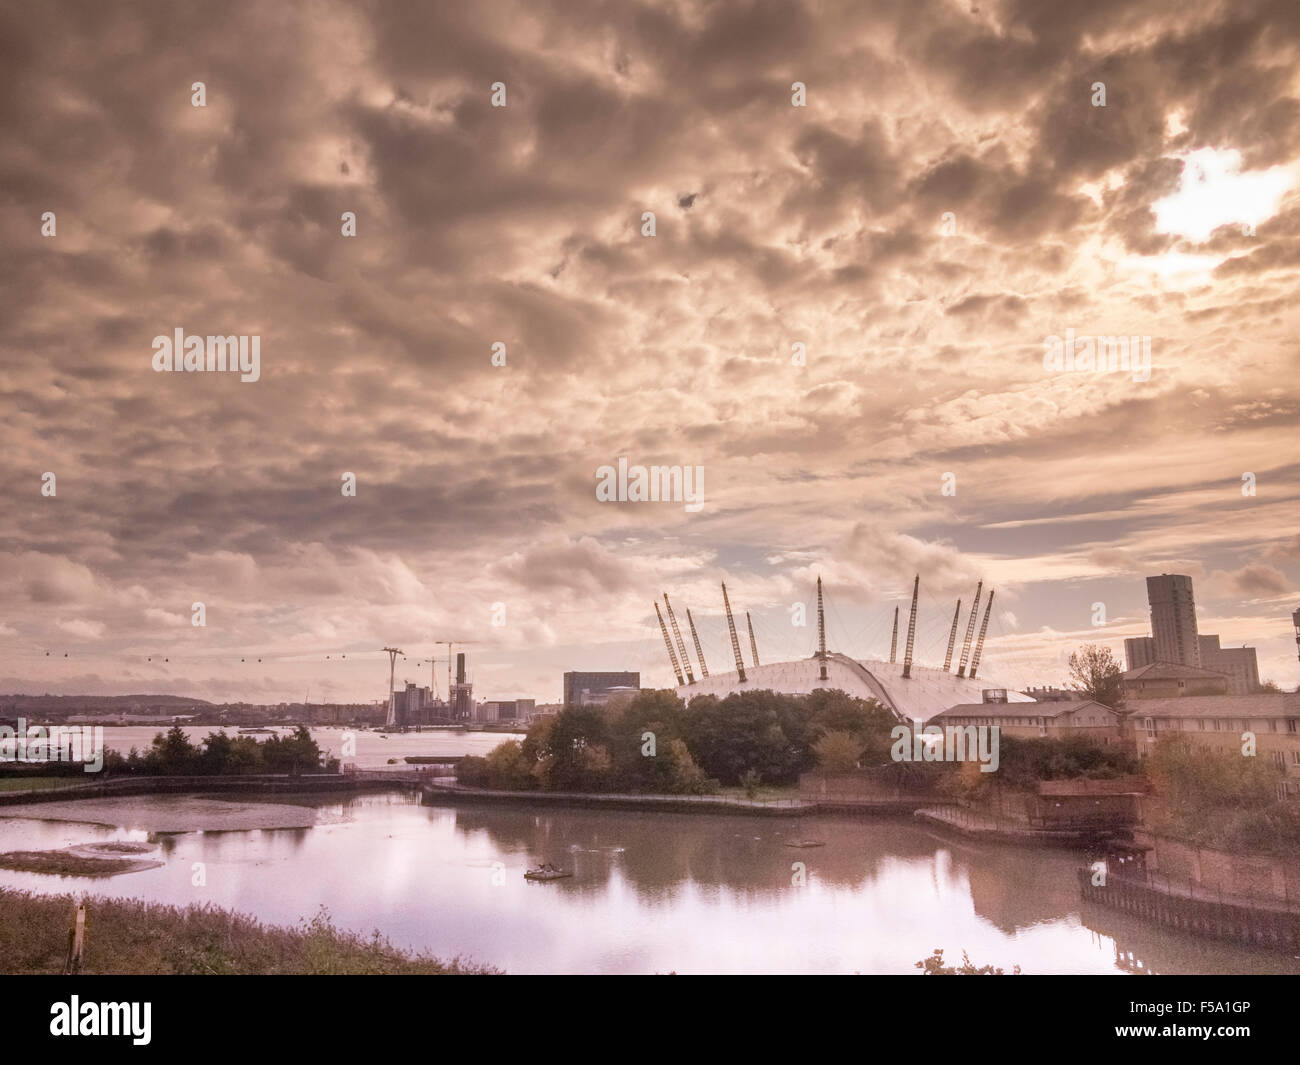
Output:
x,y
911,630
735,643
970,630
984,627
433,682
681,645
699,651
893,640
672,655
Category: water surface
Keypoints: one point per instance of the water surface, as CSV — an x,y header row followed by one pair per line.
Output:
x,y
688,893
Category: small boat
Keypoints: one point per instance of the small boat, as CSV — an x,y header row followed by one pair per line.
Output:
x,y
546,871
801,843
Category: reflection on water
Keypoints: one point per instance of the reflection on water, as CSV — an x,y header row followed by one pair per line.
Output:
x,y
652,892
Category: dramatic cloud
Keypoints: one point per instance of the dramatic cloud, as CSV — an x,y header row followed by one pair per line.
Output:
x,y
841,316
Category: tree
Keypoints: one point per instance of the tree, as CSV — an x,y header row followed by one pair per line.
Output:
x,y
744,732
1095,673
506,768
225,756
934,966
172,754
292,754
576,750
838,752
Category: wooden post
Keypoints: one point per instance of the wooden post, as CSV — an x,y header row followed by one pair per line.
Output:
x,y
76,939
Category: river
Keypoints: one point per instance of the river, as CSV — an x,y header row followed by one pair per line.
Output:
x,y
373,749
651,893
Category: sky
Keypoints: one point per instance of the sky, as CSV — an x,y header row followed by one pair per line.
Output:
x,y
842,317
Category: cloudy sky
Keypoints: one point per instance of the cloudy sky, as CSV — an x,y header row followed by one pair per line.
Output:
x,y
950,196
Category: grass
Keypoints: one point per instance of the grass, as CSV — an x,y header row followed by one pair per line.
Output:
x,y
126,936
764,792
36,783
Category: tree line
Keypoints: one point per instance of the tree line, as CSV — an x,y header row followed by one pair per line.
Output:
x,y
173,754
656,743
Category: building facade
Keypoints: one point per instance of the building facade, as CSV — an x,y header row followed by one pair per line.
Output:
x,y
1173,619
505,710
1139,651
1049,694
409,705
1239,664
1175,639
576,683
1168,680
1048,720
1221,722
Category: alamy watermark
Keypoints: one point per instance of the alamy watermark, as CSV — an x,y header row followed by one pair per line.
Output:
x,y
56,743
1098,354
952,743
78,1018
182,354
652,484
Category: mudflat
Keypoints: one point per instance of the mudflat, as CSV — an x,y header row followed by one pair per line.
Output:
x,y
83,859
171,813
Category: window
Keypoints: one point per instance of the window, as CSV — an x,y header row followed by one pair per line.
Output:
x,y
1279,760
1295,757
1291,724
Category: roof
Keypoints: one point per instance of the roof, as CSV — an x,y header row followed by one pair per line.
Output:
x,y
1286,704
1044,709
915,698
1154,670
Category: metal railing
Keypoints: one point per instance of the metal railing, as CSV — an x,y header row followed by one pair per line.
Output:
x,y
1178,887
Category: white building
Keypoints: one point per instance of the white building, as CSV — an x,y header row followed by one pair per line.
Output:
x,y
926,692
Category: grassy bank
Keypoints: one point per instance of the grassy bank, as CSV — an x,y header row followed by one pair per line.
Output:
x,y
124,936
28,783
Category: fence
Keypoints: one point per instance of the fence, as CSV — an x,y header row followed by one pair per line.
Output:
x,y
624,799
1185,908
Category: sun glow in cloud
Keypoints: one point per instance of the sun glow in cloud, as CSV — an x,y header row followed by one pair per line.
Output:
x,y
1214,193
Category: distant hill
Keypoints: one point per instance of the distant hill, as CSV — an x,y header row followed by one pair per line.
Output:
x,y
72,704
